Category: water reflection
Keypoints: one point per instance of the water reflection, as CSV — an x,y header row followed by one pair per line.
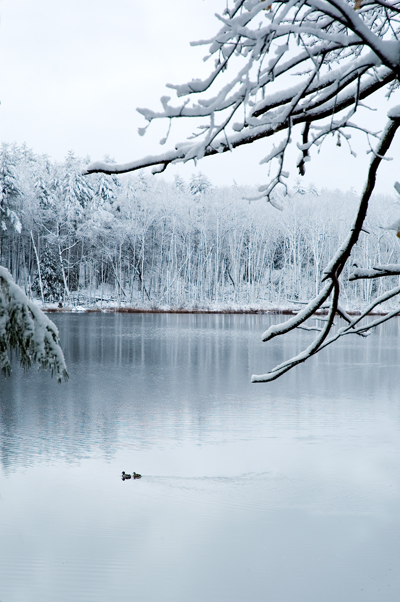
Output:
x,y
286,491
139,379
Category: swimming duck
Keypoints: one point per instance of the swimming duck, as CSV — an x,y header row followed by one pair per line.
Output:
x,y
136,475
126,476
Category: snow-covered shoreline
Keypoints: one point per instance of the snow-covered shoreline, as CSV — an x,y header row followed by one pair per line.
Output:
x,y
140,244
289,311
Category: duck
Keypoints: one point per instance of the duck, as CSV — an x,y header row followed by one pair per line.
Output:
x,y
125,476
136,475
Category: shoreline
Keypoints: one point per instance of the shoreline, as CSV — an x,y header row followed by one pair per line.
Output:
x,y
143,310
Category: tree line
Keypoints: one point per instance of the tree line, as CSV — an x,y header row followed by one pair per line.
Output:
x,y
141,241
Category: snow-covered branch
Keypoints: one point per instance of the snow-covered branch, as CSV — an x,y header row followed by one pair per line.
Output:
x,y
341,54
332,273
346,53
377,271
26,329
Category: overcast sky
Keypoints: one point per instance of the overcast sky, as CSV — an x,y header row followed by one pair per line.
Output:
x,y
73,73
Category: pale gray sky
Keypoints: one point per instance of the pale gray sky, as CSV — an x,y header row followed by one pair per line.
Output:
x,y
73,73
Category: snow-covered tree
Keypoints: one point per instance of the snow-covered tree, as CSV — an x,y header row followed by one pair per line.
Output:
x,y
199,184
76,190
179,183
155,246
48,281
9,191
341,53
25,328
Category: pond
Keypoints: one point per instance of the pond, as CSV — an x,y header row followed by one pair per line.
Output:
x,y
281,492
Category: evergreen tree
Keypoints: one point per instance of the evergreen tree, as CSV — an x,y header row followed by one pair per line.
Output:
x,y
179,183
51,275
25,328
76,190
199,184
9,191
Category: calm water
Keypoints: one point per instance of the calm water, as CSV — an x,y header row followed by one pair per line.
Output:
x,y
283,492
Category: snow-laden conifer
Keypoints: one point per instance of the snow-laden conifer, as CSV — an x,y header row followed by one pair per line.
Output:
x,y
26,329
9,191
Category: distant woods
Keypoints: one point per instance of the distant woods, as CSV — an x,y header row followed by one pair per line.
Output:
x,y
140,241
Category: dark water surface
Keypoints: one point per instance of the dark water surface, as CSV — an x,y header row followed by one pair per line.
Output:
x,y
282,492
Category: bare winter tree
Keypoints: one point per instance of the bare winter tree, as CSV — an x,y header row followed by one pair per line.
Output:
x,y
342,52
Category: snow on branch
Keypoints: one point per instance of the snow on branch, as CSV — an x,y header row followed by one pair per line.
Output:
x,y
376,272
338,54
25,328
342,53
332,286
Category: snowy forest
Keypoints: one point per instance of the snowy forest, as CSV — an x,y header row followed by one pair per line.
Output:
x,y
139,241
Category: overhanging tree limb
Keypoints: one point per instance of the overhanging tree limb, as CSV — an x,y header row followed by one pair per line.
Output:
x,y
26,329
346,52
333,271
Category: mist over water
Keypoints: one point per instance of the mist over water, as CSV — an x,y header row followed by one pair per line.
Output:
x,y
286,491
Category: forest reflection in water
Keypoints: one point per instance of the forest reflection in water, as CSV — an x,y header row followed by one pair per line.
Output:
x,y
285,491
